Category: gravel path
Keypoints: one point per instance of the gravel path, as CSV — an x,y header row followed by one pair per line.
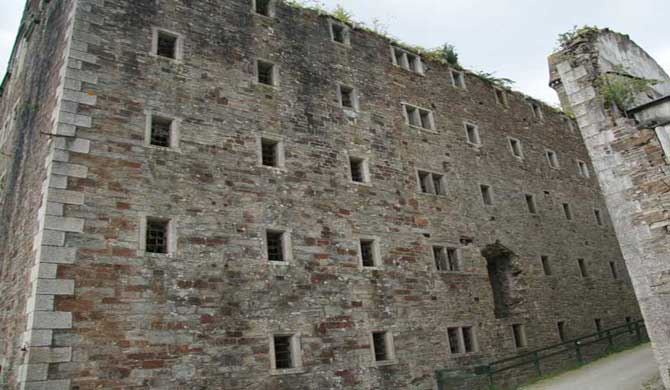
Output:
x,y
628,370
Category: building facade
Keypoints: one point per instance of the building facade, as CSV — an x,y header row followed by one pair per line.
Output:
x,y
245,194
629,144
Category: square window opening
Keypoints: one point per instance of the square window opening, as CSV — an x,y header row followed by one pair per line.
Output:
x,y
263,7
560,325
339,33
486,194
270,152
414,63
380,347
453,259
275,246
161,131
552,158
357,166
537,110
519,333
400,58
530,203
266,73
283,352
426,119
454,340
501,97
440,256
157,235
347,97
167,45
546,266
567,211
457,79
583,271
583,169
515,145
472,134
613,270
368,255
598,217
469,340
599,324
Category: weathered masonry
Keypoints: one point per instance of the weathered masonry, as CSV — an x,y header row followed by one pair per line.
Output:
x,y
629,143
243,194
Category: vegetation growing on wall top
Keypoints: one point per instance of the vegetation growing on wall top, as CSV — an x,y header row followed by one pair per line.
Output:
x,y
619,89
565,39
445,54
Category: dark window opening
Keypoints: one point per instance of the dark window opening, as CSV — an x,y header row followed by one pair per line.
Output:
x,y
161,129
275,246
367,253
167,45
379,345
263,7
530,202
413,62
615,273
157,236
546,267
599,219
567,211
339,33
629,322
486,194
266,73
425,119
440,256
347,97
501,98
270,153
582,268
599,325
357,169
283,353
472,134
516,147
519,336
552,158
454,340
469,340
458,79
453,258
561,330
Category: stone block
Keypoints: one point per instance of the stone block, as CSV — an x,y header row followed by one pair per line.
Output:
x,y
54,286
60,384
67,169
64,196
51,320
38,337
53,238
58,255
33,372
65,224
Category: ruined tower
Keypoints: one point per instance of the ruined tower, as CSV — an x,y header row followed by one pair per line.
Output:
x,y
248,195
621,99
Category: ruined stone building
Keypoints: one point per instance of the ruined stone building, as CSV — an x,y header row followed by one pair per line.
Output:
x,y
246,195
629,143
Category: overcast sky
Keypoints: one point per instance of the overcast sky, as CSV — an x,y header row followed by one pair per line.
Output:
x,y
509,37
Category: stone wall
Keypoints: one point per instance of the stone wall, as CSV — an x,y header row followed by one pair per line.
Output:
x,y
202,316
28,277
630,164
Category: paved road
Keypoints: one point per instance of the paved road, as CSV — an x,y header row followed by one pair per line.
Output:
x,y
628,370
